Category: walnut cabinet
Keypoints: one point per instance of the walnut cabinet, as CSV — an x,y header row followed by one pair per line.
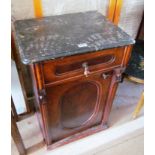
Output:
x,y
74,94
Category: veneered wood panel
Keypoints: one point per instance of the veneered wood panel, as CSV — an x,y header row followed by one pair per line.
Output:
x,y
77,106
78,101
86,115
73,66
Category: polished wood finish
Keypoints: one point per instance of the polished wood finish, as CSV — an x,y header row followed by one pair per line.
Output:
x,y
40,107
59,70
74,94
17,137
76,105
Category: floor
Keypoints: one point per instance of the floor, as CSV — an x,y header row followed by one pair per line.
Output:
x,y
124,148
125,101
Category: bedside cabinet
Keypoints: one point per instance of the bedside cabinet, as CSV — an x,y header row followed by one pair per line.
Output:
x,y
76,61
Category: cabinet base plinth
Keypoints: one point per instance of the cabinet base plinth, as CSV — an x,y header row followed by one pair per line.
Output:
x,y
77,136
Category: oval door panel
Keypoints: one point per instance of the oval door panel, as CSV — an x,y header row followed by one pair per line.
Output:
x,y
78,104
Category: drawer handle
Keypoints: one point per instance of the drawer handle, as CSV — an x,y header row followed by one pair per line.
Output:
x,y
105,75
86,69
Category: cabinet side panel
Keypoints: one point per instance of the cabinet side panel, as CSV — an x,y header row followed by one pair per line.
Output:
x,y
42,101
37,104
117,74
127,51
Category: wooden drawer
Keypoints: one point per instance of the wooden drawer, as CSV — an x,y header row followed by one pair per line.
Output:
x,y
81,65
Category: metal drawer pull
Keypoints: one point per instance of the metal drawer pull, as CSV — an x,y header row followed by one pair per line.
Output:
x,y
40,97
86,69
105,76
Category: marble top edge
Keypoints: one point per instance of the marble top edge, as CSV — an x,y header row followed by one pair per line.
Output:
x,y
58,36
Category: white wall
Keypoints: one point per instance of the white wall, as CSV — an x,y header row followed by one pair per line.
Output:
x,y
16,90
56,7
23,9
131,15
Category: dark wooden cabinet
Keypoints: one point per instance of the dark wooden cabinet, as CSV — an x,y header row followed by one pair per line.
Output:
x,y
76,61
74,94
76,105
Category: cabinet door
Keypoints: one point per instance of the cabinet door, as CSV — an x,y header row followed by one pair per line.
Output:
x,y
76,105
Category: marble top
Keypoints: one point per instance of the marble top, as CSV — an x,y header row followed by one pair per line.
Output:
x,y
65,35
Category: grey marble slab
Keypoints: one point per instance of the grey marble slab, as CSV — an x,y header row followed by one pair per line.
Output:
x,y
64,35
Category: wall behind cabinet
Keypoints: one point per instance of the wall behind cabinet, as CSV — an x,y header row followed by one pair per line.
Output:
x,y
57,7
131,16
